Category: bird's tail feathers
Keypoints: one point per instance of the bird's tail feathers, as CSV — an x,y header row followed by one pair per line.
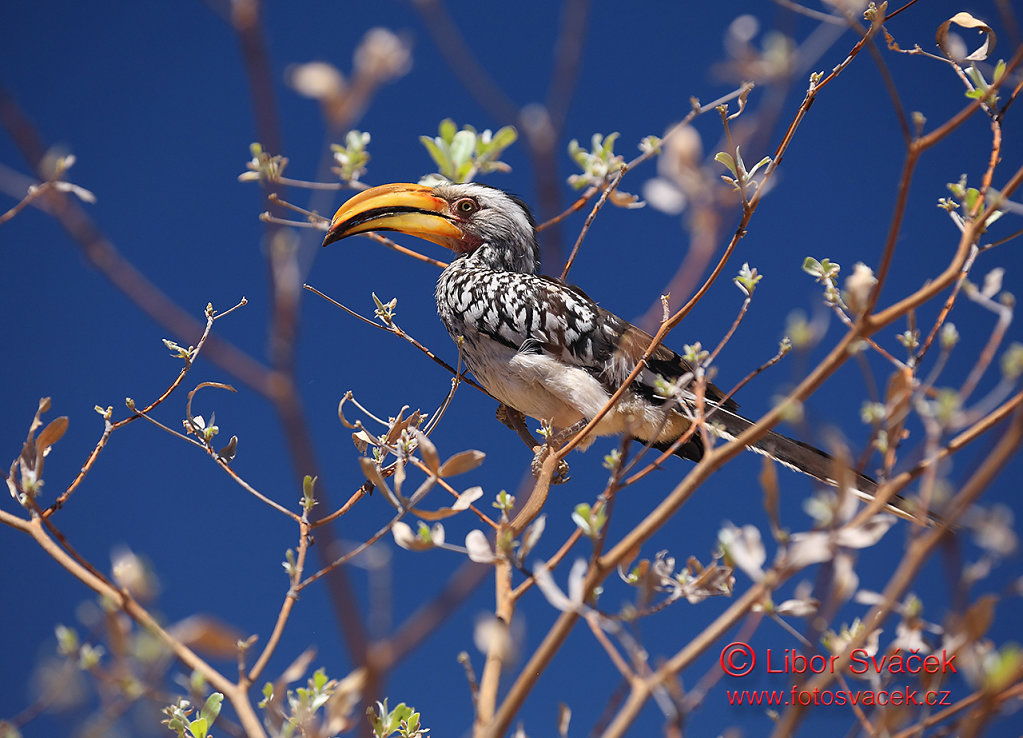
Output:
x,y
802,457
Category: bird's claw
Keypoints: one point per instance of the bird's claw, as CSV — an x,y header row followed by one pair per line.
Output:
x,y
517,422
506,414
540,453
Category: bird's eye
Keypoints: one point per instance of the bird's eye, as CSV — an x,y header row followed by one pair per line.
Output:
x,y
466,206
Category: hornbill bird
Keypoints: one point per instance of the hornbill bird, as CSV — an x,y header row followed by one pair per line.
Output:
x,y
544,348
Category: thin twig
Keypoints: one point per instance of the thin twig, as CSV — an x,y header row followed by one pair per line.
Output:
x,y
611,187
575,207
286,606
109,427
33,193
395,330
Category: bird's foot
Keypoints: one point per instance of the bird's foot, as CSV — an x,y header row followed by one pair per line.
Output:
x,y
540,454
515,420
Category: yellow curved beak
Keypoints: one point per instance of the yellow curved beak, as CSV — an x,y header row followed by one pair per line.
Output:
x,y
406,208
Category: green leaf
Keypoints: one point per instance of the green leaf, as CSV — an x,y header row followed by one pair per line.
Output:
x,y
812,266
319,679
762,162
268,693
726,159
1012,362
505,137
651,144
1003,667
67,640
447,130
609,144
462,147
739,164
413,722
211,709
577,153
589,522
199,727
400,714
438,156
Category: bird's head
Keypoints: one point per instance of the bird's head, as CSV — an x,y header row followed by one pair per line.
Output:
x,y
473,220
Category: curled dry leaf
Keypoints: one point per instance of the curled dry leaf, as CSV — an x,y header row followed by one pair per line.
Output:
x,y
817,546
362,440
768,479
910,639
491,636
979,616
428,451
296,670
341,412
965,20
132,573
403,536
712,581
462,462
461,503
372,473
44,407
625,200
898,396
798,608
808,548
51,434
228,452
396,426
478,547
866,535
341,712
743,96
564,719
208,635
399,474
401,424
532,536
745,548
576,579
550,590
992,284
318,80
846,580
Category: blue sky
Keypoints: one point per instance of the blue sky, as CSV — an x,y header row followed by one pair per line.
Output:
x,y
154,101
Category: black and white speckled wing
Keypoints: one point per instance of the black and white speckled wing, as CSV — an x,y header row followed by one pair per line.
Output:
x,y
618,347
557,341
518,311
